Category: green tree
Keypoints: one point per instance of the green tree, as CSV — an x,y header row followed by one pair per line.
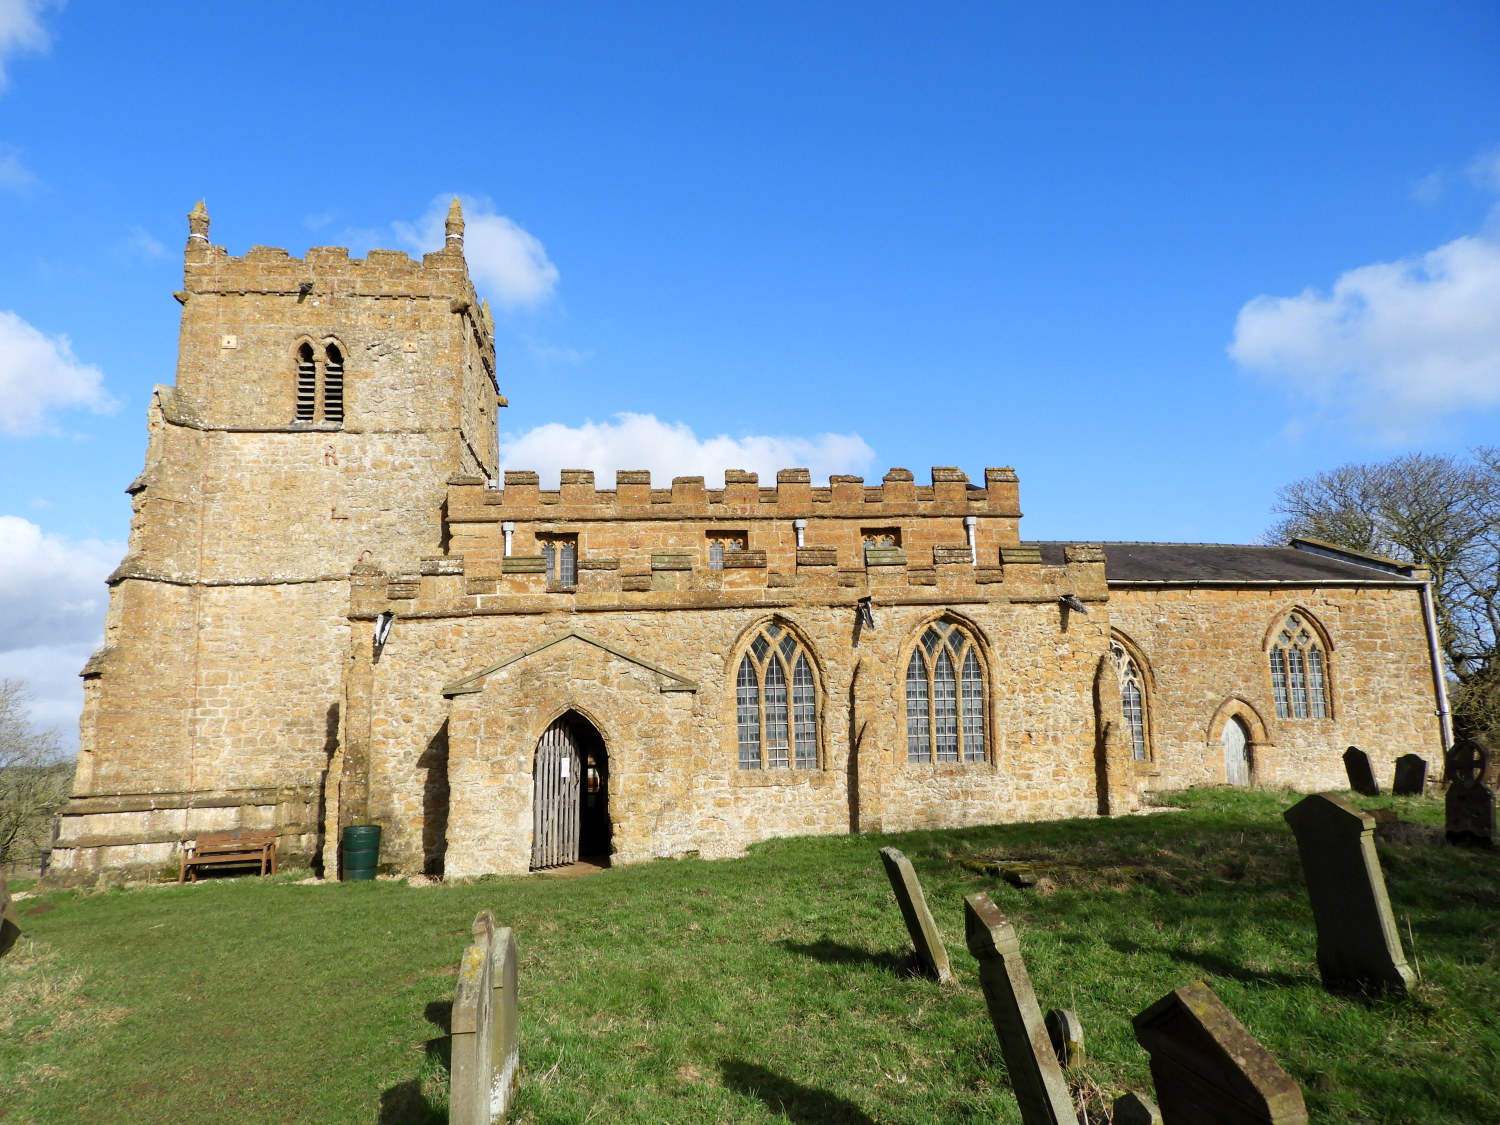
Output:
x,y
35,777
1442,513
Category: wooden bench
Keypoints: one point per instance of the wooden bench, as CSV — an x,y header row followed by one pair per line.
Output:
x,y
241,847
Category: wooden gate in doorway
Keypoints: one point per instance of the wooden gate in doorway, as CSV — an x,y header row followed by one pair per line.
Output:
x,y
555,797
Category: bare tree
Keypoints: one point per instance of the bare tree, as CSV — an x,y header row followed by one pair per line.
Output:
x,y
1442,513
34,779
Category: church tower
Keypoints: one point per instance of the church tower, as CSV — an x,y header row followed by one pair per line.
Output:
x,y
320,407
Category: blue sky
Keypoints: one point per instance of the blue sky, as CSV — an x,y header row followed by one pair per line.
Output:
x,y
1161,258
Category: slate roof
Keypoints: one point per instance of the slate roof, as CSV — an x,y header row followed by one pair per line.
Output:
x,y
1232,563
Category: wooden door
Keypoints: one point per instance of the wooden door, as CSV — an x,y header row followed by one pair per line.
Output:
x,y
1236,741
555,798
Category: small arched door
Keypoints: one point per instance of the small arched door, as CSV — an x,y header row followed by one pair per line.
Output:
x,y
570,794
1236,740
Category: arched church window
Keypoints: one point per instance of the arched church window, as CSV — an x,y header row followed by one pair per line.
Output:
x,y
1299,672
320,384
945,698
1132,698
776,703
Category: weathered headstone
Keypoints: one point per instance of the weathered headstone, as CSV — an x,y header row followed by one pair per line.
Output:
x,y
1358,946
1066,1033
10,925
1470,804
1131,1108
1035,1075
1411,776
931,951
1208,1070
1469,758
1361,776
484,1027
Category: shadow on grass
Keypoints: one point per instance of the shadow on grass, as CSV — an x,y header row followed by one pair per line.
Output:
x,y
836,953
406,1104
1218,966
803,1105
439,1013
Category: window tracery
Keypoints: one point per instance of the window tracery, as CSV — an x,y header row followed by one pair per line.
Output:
x,y
945,712
776,703
1132,699
1299,672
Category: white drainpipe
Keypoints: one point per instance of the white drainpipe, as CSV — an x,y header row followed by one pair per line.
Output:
x,y
1439,678
969,522
507,529
800,527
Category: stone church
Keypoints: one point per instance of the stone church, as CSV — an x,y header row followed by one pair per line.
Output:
x,y
336,610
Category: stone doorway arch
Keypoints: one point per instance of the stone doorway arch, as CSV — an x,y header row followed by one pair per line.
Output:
x,y
570,794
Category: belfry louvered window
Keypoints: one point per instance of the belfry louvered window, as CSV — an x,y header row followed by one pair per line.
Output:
x,y
1299,672
1132,699
561,553
776,704
945,713
320,384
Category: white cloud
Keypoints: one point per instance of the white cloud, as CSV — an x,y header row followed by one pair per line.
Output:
x,y
142,244
14,175
509,265
21,29
52,602
1395,346
668,449
39,373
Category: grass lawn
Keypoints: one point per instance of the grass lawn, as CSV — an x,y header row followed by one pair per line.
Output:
x,y
766,989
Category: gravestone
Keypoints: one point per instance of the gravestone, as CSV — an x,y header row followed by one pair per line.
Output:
x,y
484,1027
1035,1075
1358,946
1361,776
1208,1070
1470,757
931,952
10,925
1131,1108
1470,804
1411,776
1066,1033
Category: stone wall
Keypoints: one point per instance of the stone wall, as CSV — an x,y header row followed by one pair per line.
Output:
x,y
1207,657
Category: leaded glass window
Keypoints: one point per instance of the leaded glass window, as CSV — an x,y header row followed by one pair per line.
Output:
x,y
721,544
561,553
776,704
945,720
1299,672
1132,699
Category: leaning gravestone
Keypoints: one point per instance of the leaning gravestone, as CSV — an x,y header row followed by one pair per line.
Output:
x,y
1131,1108
1035,1075
931,951
1358,947
1411,776
1066,1034
484,1027
1208,1070
1361,776
1469,806
10,925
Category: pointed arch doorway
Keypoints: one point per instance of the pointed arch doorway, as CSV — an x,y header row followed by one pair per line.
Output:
x,y
1236,742
570,794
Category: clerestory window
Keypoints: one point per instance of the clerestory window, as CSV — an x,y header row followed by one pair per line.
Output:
x,y
945,711
561,553
1299,672
776,704
320,384
721,543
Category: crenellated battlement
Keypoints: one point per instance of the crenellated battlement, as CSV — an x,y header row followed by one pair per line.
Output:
x,y
794,495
